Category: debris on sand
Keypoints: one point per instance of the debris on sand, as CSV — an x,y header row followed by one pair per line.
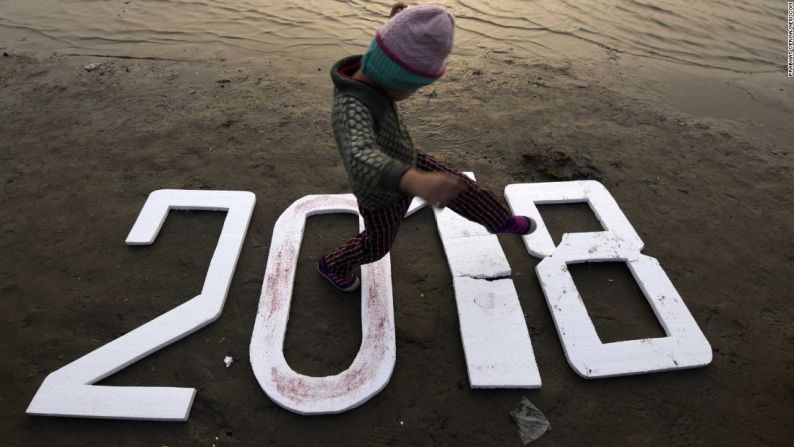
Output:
x,y
558,166
531,422
92,67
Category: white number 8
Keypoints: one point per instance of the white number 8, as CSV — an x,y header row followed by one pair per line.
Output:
x,y
683,347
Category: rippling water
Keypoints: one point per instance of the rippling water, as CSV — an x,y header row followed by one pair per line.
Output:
x,y
739,35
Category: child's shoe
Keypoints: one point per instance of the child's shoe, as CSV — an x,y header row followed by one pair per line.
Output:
x,y
346,283
518,225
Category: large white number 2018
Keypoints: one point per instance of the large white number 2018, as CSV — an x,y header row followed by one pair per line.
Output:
x,y
495,337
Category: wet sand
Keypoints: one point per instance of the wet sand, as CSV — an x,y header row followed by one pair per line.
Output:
x,y
708,189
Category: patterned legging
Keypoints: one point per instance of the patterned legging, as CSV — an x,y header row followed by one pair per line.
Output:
x,y
381,225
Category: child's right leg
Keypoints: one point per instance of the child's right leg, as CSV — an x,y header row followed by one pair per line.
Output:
x,y
478,204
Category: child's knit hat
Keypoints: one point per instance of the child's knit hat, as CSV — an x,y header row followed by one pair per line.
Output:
x,y
409,51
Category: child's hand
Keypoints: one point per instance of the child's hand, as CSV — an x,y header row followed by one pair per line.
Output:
x,y
436,188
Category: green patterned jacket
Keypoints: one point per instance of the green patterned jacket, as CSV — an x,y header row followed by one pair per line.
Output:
x,y
375,146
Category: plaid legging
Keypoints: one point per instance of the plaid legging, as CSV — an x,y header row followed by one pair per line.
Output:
x,y
381,225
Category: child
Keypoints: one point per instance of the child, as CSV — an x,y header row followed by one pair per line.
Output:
x,y
385,170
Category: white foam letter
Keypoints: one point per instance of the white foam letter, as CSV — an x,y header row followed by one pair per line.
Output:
x,y
374,363
69,390
683,347
495,337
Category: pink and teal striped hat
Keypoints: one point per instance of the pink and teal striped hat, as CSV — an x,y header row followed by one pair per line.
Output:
x,y
410,50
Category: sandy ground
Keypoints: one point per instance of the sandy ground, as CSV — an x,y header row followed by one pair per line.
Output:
x,y
80,151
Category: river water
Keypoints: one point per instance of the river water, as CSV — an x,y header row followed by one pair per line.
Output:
x,y
744,36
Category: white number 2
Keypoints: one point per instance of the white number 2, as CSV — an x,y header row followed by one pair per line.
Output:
x,y
69,391
683,347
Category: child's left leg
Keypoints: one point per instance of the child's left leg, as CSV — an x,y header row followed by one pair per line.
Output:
x,y
380,230
477,204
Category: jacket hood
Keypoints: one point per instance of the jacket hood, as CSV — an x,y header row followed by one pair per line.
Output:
x,y
341,74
